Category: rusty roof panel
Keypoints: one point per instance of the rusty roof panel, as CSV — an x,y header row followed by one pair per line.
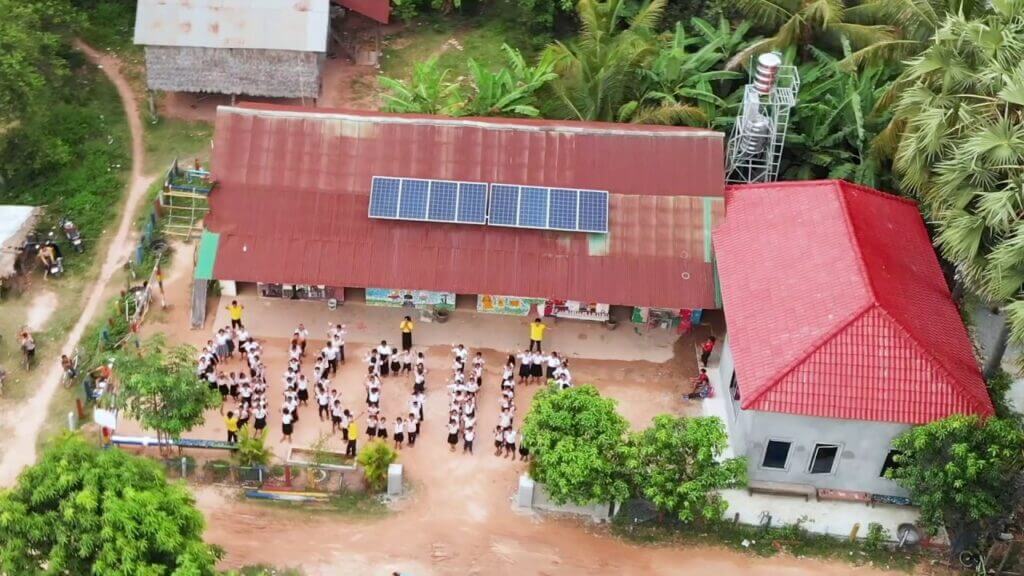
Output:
x,y
293,192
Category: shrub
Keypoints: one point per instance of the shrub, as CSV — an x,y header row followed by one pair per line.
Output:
x,y
375,459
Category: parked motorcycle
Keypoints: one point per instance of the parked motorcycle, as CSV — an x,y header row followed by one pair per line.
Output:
x,y
72,234
55,262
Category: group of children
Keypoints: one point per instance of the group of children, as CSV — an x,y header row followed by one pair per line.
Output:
x,y
383,362
247,388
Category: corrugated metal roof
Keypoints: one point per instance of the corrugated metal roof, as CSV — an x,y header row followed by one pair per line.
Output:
x,y
15,223
379,10
293,191
836,307
262,24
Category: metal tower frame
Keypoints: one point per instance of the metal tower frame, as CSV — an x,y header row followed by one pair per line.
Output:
x,y
755,146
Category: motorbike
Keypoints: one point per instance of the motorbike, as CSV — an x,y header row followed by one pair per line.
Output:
x,y
56,267
72,234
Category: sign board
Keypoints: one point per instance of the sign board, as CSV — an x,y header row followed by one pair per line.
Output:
x,y
512,305
105,418
410,298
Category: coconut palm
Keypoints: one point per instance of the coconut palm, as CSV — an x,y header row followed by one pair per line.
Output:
x,y
960,150
806,23
597,72
683,83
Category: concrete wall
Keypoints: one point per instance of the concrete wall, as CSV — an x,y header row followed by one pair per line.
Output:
x,y
863,446
535,496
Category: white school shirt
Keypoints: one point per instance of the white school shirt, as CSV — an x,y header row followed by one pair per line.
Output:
x,y
478,361
420,379
399,427
421,362
383,350
526,358
414,405
554,361
222,339
508,373
506,420
243,335
286,418
303,384
460,354
339,338
469,435
374,396
453,428
330,352
302,333
260,413
468,421
510,436
323,399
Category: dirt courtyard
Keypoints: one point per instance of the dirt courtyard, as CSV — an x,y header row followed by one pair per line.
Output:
x,y
458,515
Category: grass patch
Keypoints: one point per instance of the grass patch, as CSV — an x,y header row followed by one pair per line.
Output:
x,y
167,139
264,570
793,540
479,36
109,25
82,172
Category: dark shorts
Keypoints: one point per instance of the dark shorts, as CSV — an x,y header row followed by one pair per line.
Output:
x,y
260,423
304,395
382,433
224,391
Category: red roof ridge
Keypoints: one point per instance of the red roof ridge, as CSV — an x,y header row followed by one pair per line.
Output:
x,y
800,358
851,234
525,124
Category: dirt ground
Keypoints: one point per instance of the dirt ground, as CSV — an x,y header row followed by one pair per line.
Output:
x,y
458,517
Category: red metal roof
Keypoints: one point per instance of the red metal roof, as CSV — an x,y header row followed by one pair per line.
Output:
x,y
836,306
378,10
293,191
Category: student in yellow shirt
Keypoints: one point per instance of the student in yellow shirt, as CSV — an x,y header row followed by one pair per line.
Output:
x,y
235,312
406,328
353,433
232,423
537,329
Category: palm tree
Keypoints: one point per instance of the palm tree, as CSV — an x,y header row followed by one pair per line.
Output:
x,y
682,85
598,71
960,150
806,23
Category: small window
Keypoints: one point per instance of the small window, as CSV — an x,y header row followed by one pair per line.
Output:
x,y
776,454
824,458
890,462
734,388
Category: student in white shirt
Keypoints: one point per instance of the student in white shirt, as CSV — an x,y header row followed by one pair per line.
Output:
x,y
510,442
553,362
460,353
468,435
412,426
399,433
384,353
525,366
419,380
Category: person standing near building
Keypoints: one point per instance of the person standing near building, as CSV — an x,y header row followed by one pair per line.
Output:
x,y
705,350
406,327
235,313
537,329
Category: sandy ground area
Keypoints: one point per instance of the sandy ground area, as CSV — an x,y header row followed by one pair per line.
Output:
x,y
40,309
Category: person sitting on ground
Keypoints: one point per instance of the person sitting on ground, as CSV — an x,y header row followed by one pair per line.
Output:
x,y
701,386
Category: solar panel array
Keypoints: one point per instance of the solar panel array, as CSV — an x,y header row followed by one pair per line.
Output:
x,y
432,200
564,209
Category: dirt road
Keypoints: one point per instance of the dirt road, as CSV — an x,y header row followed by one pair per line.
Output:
x,y
21,445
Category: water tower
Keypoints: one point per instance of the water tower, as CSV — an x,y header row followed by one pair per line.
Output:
x,y
755,147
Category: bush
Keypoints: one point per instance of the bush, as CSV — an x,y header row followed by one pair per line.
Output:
x,y
252,450
877,537
375,459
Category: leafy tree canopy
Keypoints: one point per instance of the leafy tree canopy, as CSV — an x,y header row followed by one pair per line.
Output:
x,y
576,440
677,464
82,510
159,388
961,470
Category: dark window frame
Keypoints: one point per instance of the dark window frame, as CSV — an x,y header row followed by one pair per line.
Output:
x,y
814,458
768,447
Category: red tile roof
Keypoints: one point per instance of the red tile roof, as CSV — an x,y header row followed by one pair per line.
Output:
x,y
293,192
836,306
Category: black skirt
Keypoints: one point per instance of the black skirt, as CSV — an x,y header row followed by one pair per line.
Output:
x,y
260,423
382,433
523,450
453,439
304,395
524,370
537,371
384,366
551,372
286,429
224,391
396,366
399,437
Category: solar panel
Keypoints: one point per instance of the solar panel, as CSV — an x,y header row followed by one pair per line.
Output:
x,y
593,212
384,197
533,207
504,205
444,197
412,199
564,206
472,207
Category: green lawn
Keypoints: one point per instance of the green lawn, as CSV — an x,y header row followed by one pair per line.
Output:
x,y
479,36
167,139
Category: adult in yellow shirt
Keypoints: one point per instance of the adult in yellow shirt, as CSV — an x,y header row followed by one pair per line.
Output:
x,y
537,329
406,328
235,312
353,433
232,423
